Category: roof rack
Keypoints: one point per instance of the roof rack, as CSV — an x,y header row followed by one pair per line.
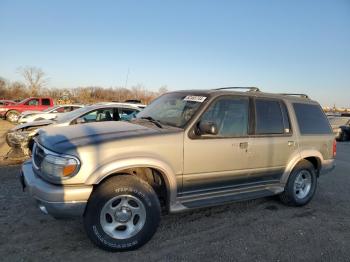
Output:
x,y
300,95
250,89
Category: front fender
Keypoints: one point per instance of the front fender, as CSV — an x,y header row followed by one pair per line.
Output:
x,y
116,166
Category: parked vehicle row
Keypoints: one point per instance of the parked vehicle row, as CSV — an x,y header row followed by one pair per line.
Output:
x,y
21,136
341,127
187,149
48,114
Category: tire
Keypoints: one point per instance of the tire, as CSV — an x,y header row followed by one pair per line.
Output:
x,y
344,136
123,213
12,116
303,175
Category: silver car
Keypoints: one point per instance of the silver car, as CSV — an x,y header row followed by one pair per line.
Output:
x,y
20,137
47,114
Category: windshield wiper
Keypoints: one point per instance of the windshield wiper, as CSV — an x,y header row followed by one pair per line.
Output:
x,y
152,120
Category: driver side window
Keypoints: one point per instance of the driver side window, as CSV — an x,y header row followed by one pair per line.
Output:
x,y
231,116
32,102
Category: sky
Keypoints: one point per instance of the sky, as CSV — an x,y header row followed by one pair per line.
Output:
x,y
299,46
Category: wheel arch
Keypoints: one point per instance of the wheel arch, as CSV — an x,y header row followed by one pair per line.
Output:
x,y
313,156
139,168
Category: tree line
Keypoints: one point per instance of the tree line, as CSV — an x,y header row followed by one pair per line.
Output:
x,y
35,83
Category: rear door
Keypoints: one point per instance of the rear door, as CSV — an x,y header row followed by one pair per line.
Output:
x,y
273,142
45,103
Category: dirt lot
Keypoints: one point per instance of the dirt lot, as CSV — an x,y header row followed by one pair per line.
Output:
x,y
259,230
4,148
4,126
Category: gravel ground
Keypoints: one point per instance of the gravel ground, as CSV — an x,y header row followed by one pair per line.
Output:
x,y
259,230
4,148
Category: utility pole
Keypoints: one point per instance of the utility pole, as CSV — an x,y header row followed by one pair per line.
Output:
x,y
127,78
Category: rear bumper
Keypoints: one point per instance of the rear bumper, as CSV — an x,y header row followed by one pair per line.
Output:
x,y
56,200
327,166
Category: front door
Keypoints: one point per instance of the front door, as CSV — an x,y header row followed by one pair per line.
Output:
x,y
218,162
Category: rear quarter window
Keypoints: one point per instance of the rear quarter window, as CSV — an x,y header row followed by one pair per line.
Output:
x,y
311,119
46,102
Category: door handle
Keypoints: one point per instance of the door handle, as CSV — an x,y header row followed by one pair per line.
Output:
x,y
243,145
291,143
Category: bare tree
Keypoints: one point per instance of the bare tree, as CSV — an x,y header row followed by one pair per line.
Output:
x,y
35,79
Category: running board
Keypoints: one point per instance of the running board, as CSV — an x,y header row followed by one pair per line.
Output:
x,y
213,200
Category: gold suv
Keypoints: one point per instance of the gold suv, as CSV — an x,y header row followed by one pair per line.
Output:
x,y
188,149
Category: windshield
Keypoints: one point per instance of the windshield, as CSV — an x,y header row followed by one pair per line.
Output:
x,y
64,117
174,109
23,101
338,121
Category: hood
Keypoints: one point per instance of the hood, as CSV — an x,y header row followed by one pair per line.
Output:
x,y
32,124
63,139
29,112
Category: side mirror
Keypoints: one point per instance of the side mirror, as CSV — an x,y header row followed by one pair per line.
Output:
x,y
80,120
207,128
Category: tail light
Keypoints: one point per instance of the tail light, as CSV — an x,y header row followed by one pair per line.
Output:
x,y
334,148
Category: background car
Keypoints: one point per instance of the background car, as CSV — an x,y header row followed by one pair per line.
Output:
x,y
341,127
5,102
22,135
11,112
49,113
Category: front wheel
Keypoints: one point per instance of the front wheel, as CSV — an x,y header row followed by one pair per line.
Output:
x,y
12,116
301,185
122,214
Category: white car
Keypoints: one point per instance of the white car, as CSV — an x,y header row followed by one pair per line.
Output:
x,y
21,135
47,114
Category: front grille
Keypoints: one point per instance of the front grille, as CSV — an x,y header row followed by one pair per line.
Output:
x,y
38,155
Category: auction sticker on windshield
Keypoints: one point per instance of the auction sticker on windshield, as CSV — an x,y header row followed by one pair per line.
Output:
x,y
199,99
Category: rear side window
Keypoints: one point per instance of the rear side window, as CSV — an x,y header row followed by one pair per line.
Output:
x,y
269,117
311,119
45,102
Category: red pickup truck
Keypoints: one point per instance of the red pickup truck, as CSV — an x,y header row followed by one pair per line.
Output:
x,y
12,112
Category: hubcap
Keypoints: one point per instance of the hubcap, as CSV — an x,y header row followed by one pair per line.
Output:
x,y
302,184
13,117
123,216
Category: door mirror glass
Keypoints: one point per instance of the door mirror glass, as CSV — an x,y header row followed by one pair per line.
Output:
x,y
207,128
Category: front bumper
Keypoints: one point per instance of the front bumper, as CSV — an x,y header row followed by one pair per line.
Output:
x,y
56,200
327,166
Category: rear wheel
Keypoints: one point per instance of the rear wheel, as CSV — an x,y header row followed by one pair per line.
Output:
x,y
301,185
122,214
12,116
343,136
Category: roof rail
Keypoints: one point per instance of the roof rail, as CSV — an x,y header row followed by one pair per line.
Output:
x,y
250,89
291,94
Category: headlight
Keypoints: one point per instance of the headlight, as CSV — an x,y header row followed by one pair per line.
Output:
x,y
58,167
